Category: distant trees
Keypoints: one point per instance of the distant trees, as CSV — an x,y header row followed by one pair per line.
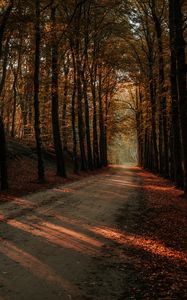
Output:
x,y
124,126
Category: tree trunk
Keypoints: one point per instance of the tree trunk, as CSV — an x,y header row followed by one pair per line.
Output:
x,y
14,106
179,48
60,163
41,174
85,80
80,119
3,158
3,152
101,121
73,118
153,119
107,107
4,71
79,92
87,123
176,141
96,158
16,73
163,128
65,99
139,124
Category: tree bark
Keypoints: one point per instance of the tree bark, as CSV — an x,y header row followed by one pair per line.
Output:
x,y
80,117
163,130
178,44
85,86
79,92
153,117
60,163
101,121
65,99
3,151
3,158
16,73
93,76
176,155
41,175
73,116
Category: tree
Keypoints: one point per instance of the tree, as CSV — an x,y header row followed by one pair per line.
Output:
x,y
178,66
3,153
41,174
61,171
176,140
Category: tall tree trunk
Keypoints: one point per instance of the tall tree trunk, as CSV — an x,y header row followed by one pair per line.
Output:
x,y
79,92
60,163
3,158
16,73
80,118
3,152
41,175
87,123
176,155
107,107
163,127
179,45
139,124
101,120
3,78
153,119
4,69
73,118
93,75
65,99
85,80
14,106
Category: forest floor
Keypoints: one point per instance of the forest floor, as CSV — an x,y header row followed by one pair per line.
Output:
x,y
120,234
22,169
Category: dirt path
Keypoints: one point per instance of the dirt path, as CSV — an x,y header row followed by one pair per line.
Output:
x,y
93,239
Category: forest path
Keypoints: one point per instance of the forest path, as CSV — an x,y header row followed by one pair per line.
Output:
x,y
92,239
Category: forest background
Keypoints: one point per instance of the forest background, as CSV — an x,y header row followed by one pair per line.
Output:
x,y
64,65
